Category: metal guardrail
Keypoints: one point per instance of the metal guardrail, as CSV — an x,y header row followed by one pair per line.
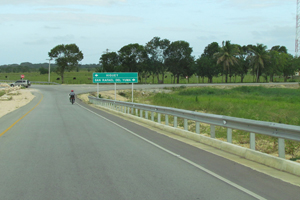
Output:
x,y
42,82
281,131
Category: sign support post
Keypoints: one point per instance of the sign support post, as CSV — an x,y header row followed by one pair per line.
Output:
x,y
132,93
97,90
115,91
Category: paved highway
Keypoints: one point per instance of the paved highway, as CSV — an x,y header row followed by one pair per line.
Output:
x,y
63,151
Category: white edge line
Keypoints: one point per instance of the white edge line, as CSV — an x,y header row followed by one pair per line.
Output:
x,y
184,159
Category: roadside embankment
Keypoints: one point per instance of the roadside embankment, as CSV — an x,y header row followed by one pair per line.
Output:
x,y
13,98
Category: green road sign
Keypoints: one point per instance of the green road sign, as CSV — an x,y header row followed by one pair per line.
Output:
x,y
115,77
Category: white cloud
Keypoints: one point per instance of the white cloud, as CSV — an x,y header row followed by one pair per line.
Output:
x,y
70,18
61,2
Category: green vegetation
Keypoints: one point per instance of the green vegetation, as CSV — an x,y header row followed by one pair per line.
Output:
x,y
85,77
279,105
66,57
123,94
162,61
82,77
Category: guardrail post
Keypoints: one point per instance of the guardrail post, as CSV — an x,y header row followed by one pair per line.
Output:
x,y
128,110
146,114
198,127
167,120
212,131
152,116
175,121
132,110
281,148
229,135
136,112
252,141
158,118
185,124
141,113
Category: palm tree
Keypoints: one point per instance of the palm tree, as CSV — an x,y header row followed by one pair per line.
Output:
x,y
227,56
258,57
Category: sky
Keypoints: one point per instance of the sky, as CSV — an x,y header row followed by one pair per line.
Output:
x,y
29,29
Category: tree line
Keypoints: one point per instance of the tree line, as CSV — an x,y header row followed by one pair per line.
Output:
x,y
159,56
42,68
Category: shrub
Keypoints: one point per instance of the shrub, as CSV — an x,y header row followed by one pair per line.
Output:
x,y
123,94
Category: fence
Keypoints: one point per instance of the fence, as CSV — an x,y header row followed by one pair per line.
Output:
x,y
281,131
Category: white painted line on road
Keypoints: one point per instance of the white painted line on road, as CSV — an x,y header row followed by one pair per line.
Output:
x,y
184,159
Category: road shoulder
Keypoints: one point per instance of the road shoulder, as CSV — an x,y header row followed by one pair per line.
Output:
x,y
284,176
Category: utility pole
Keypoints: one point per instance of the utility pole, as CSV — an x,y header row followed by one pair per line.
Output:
x,y
297,42
49,70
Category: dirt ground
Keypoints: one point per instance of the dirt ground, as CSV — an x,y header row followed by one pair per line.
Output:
x,y
14,98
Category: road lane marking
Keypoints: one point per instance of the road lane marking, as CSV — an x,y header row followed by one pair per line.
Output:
x,y
22,117
184,159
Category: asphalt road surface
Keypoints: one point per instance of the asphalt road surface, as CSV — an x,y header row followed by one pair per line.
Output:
x,y
51,149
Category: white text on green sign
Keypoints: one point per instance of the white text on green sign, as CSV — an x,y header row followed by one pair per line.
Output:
x,y
115,77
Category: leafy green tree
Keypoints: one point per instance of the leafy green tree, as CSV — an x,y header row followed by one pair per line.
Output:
x,y
203,68
155,50
43,70
179,59
132,58
243,63
273,65
66,58
289,65
258,57
280,49
206,65
227,56
109,62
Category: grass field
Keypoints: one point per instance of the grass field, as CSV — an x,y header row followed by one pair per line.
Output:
x,y
85,77
280,105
